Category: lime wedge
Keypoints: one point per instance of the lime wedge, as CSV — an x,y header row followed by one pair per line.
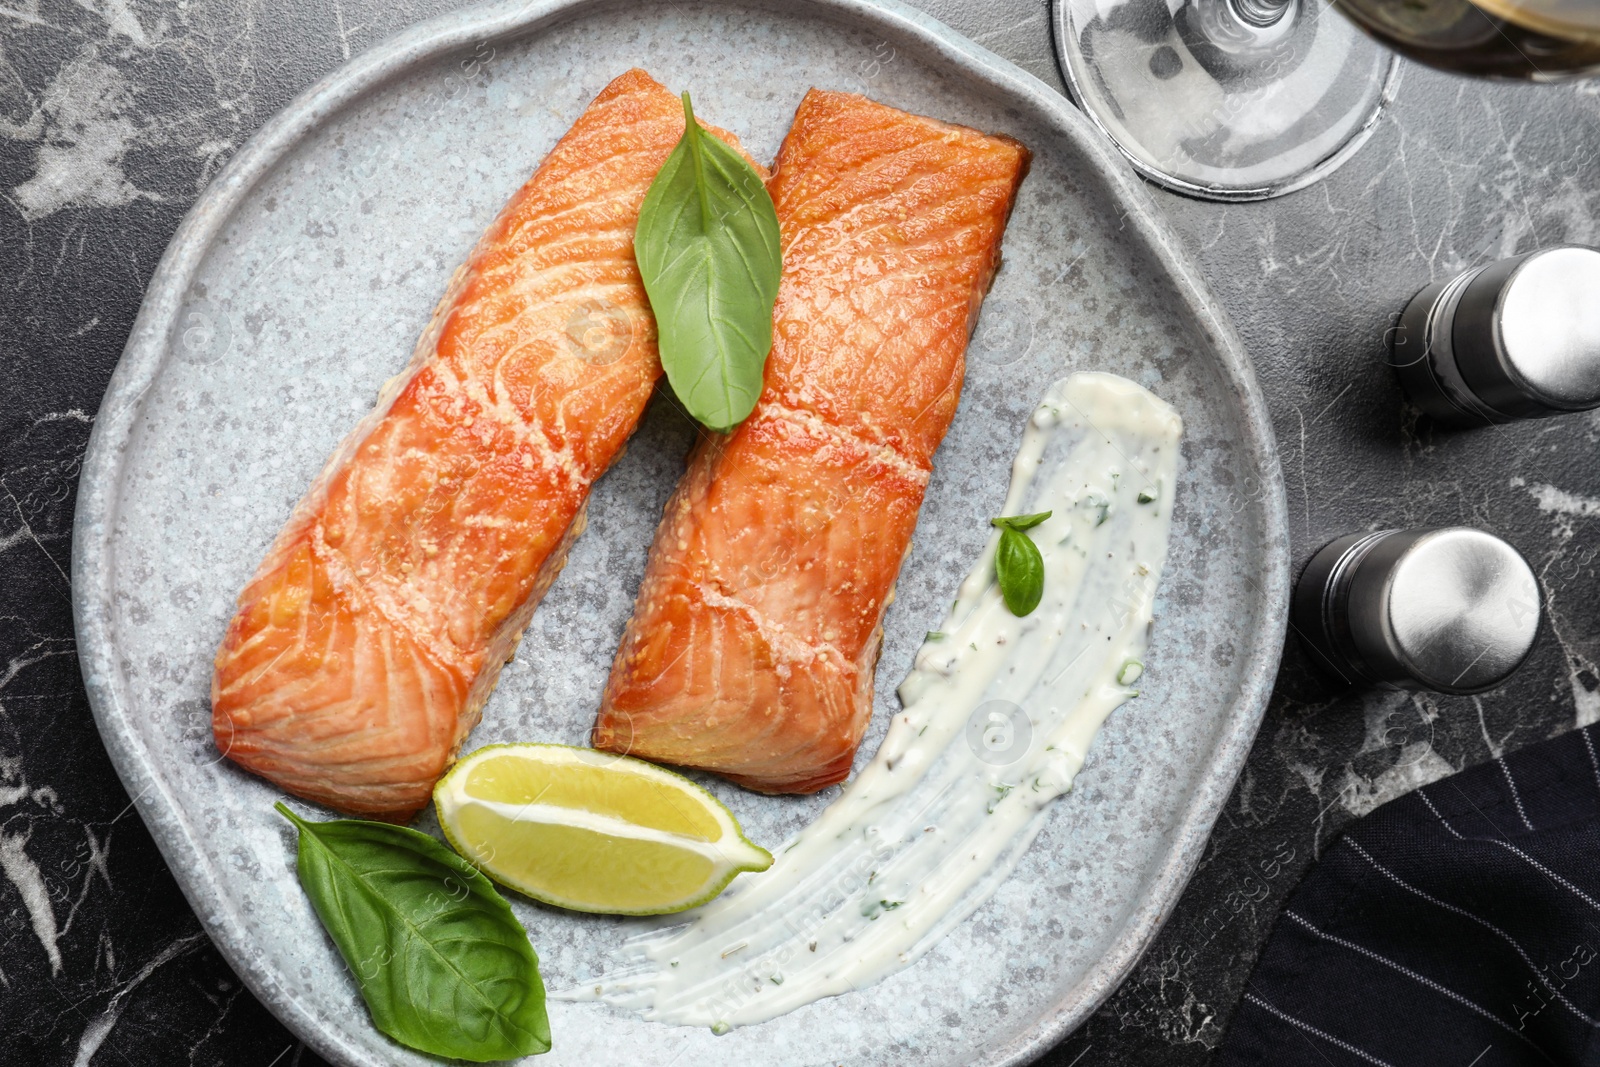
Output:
x,y
592,831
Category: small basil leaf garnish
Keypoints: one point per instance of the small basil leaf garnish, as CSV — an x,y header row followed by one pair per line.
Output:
x,y
1020,522
441,961
1017,562
1020,569
707,248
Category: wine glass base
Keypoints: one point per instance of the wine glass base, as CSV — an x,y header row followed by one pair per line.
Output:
x,y
1219,107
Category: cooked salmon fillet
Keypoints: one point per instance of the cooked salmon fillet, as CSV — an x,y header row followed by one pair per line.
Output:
x,y
752,644
366,644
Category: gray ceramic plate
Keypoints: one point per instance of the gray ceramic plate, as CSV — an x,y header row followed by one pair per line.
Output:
x,y
300,281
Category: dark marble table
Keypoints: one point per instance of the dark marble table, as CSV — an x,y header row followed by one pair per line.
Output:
x,y
115,114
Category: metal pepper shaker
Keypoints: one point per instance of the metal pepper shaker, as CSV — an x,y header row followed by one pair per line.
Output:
x,y
1516,339
1453,610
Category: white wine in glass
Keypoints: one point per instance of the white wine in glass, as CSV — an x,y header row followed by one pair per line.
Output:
x,y
1248,99
1535,40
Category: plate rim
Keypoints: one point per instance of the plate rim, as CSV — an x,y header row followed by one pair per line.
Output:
x,y
144,356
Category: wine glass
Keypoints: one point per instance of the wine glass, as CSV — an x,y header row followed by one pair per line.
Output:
x,y
1249,99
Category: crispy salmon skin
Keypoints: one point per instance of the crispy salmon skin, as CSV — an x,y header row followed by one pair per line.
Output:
x,y
365,645
753,641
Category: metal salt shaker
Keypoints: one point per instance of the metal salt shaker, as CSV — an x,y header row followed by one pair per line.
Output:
x,y
1516,339
1453,610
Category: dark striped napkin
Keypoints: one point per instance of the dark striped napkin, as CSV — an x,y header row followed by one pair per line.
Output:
x,y
1458,925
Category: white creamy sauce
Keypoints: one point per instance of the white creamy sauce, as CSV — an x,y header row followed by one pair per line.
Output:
x,y
998,714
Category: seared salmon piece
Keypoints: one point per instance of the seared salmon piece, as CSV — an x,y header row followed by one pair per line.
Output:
x,y
753,641
366,644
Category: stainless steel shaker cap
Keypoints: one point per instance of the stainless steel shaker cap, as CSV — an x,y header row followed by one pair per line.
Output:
x,y
1519,338
1527,332
1453,610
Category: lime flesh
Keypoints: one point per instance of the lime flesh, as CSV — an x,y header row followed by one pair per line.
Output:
x,y
591,831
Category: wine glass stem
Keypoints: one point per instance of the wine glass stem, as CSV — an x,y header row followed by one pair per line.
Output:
x,y
1261,12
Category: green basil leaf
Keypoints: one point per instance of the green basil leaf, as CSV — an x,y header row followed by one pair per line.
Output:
x,y
707,248
442,963
1020,568
1020,522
